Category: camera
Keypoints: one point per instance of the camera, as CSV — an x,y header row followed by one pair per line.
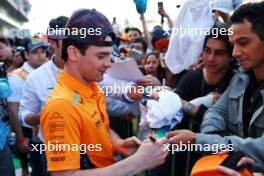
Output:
x,y
5,90
2,70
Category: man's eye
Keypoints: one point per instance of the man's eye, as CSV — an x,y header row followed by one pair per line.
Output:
x,y
219,53
101,56
243,43
207,51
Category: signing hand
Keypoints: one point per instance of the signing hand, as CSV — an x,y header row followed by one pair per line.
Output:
x,y
127,146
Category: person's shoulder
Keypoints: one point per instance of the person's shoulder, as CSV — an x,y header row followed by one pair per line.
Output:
x,y
61,92
194,74
15,79
58,107
17,74
58,102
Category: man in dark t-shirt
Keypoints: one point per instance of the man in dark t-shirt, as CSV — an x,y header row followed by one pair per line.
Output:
x,y
200,88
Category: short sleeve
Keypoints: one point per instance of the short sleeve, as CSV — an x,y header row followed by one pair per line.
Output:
x,y
16,85
29,103
61,128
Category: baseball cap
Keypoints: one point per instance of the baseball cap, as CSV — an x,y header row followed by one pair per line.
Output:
x,y
208,165
89,27
160,38
35,43
226,6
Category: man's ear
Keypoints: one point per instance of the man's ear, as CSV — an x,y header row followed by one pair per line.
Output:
x,y
73,53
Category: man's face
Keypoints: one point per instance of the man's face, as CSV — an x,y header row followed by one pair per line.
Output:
x,y
215,56
36,57
248,48
94,63
137,46
5,51
17,60
162,58
132,34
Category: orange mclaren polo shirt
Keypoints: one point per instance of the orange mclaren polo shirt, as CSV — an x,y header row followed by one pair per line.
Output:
x,y
75,115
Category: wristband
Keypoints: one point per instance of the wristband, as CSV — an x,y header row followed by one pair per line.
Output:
x,y
145,93
187,107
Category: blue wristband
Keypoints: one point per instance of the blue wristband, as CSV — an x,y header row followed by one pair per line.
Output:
x,y
145,93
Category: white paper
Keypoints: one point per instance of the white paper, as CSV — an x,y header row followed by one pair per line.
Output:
x,y
125,70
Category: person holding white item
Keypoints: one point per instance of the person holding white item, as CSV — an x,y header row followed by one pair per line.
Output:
x,y
164,112
210,81
188,34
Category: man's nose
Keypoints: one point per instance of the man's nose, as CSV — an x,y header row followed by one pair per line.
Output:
x,y
236,51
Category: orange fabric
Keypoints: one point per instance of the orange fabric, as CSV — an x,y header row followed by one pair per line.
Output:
x,y
208,165
76,114
20,72
162,43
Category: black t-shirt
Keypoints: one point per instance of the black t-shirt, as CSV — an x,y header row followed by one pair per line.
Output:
x,y
252,100
193,85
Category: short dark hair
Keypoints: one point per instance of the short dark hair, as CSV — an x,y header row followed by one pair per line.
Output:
x,y
157,54
134,29
4,40
254,13
59,22
140,40
56,23
216,32
66,43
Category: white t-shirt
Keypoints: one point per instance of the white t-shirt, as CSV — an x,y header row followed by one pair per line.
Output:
x,y
16,80
36,90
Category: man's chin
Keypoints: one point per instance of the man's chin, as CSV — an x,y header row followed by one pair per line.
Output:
x,y
99,78
211,70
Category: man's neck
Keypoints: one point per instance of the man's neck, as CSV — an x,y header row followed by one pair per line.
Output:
x,y
213,78
32,66
259,73
74,73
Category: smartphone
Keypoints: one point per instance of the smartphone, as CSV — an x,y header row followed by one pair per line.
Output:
x,y
160,10
136,54
161,132
160,5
